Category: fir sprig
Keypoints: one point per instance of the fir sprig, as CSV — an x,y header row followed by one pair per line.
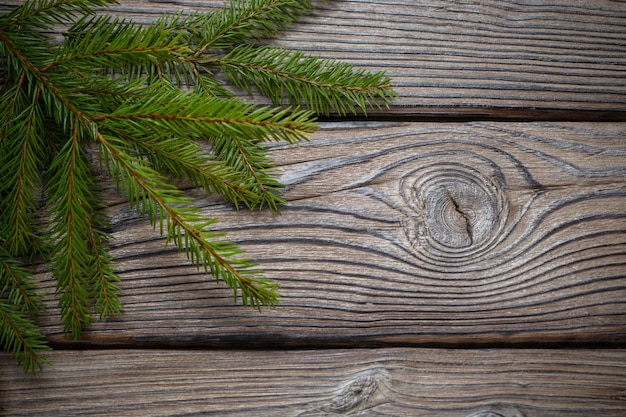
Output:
x,y
145,101
19,304
292,77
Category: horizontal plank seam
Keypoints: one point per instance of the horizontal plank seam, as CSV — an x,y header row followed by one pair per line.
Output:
x,y
446,115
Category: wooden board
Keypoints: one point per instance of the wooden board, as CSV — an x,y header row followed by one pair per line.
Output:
x,y
491,58
386,382
523,60
404,234
396,235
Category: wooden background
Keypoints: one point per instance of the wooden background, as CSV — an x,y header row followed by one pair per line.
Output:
x,y
462,254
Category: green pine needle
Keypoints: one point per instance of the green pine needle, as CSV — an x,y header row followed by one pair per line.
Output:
x,y
19,303
323,85
144,100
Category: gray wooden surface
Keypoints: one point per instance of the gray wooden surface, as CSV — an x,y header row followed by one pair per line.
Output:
x,y
462,254
403,233
351,382
529,60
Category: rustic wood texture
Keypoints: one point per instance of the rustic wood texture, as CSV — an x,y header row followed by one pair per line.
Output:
x,y
523,60
468,59
398,234
404,233
381,382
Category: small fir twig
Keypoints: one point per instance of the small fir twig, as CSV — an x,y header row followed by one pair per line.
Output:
x,y
147,97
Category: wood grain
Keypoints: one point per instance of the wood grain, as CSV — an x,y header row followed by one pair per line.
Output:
x,y
385,382
477,59
403,234
395,235
522,59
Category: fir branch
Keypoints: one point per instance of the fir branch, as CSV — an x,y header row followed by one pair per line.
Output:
x,y
248,157
181,114
185,159
45,13
247,21
125,86
103,279
19,302
17,286
21,157
21,337
103,42
161,202
27,50
72,209
323,85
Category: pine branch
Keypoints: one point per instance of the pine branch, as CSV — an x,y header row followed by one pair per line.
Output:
x,y
182,114
21,337
183,159
19,303
16,285
28,51
236,128
250,158
21,157
103,42
246,21
73,255
323,85
45,13
148,96
163,203
103,280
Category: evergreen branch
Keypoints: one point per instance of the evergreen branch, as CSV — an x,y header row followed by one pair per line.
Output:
x,y
230,125
183,159
323,85
12,102
157,52
16,284
103,279
187,228
19,302
24,49
72,210
182,113
103,42
21,337
250,158
21,157
118,83
58,103
44,13
247,21
207,85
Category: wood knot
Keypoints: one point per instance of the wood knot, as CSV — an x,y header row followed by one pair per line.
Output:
x,y
363,391
459,213
458,210
447,218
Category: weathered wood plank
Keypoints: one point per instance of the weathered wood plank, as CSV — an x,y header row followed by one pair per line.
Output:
x,y
488,58
404,234
528,60
394,382
540,60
